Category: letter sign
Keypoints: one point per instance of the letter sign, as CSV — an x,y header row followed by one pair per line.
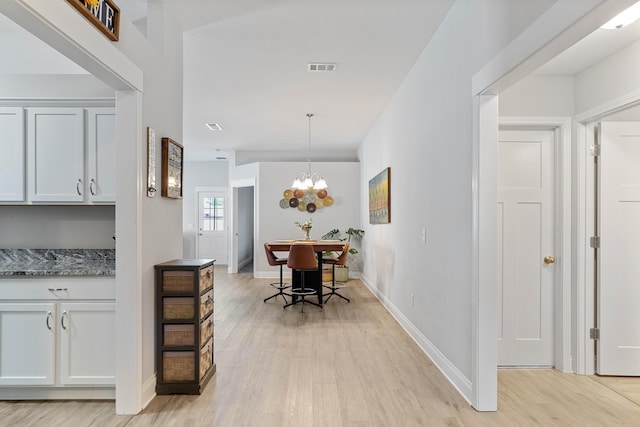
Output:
x,y
103,14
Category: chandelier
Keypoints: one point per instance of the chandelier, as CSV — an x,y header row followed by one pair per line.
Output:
x,y
308,180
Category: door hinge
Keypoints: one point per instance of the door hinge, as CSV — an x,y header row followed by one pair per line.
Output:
x,y
594,242
594,333
595,150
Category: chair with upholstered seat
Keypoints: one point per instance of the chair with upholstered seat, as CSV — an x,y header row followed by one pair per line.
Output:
x,y
273,260
302,258
340,260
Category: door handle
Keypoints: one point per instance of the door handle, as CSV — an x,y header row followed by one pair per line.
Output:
x,y
549,259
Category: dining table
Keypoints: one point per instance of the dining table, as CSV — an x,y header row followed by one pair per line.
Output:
x,y
319,247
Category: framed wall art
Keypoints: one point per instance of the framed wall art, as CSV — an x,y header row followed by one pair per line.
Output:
x,y
380,198
171,169
151,162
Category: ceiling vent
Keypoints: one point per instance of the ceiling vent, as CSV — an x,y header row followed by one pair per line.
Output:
x,y
214,126
320,66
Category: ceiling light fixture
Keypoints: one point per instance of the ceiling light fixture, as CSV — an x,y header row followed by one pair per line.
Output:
x,y
623,19
214,126
308,180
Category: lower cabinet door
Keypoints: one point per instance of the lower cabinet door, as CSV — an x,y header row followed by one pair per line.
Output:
x,y
87,343
27,343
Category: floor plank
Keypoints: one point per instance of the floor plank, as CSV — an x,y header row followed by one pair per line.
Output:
x,y
346,365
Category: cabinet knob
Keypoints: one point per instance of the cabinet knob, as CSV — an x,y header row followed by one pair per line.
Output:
x,y
92,184
78,184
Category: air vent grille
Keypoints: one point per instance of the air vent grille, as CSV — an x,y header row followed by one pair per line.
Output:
x,y
320,66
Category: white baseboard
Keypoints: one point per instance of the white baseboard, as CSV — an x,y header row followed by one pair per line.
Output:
x,y
244,263
453,375
56,393
148,391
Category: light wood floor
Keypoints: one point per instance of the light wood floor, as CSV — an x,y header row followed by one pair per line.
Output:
x,y
344,365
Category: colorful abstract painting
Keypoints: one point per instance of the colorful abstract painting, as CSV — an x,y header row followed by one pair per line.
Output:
x,y
380,198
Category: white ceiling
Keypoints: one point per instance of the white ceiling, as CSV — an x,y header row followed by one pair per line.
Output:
x,y
245,67
248,71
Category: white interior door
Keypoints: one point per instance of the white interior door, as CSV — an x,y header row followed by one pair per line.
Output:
x,y
213,226
619,269
525,247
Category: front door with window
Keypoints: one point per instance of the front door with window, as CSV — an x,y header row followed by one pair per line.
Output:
x,y
212,226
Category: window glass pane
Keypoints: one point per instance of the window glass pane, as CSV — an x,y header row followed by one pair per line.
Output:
x,y
213,214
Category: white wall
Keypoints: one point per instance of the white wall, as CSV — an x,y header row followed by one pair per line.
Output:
x,y
161,110
198,174
609,80
50,86
57,227
425,135
549,96
245,226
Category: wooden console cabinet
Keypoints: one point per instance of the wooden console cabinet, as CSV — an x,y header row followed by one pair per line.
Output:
x,y
184,325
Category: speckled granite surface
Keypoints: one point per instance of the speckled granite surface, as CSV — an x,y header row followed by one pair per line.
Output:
x,y
57,262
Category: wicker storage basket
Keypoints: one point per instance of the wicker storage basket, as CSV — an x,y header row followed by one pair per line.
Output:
x,y
177,308
179,335
206,358
206,304
327,274
206,330
206,278
178,366
177,281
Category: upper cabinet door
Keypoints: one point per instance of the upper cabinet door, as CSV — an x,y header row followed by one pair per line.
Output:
x,y
56,154
12,160
101,155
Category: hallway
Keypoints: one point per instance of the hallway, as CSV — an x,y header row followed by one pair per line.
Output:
x,y
344,365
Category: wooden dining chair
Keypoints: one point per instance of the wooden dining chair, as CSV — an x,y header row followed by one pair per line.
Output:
x,y
273,260
340,260
302,258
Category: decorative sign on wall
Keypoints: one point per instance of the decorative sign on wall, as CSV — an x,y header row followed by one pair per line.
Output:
x,y
306,200
151,163
171,169
380,198
103,14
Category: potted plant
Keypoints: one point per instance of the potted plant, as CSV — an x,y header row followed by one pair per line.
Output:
x,y
342,271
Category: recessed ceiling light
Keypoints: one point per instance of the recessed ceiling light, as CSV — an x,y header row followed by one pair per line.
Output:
x,y
320,66
623,19
214,126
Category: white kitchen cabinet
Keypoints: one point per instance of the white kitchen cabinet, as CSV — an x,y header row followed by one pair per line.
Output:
x,y
27,344
12,160
87,342
57,337
101,155
55,154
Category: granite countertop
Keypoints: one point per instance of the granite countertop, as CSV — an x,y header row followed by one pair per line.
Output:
x,y
57,262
